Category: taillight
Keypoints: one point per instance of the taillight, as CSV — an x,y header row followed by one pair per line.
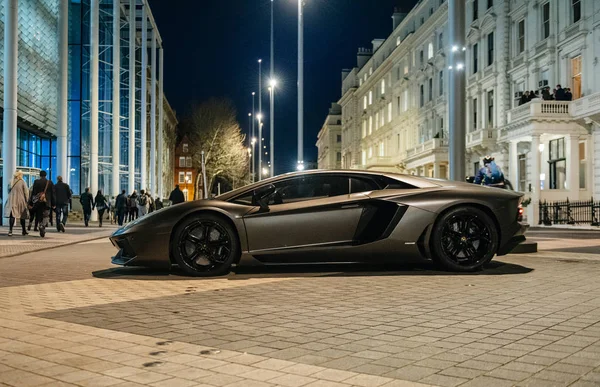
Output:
x,y
520,213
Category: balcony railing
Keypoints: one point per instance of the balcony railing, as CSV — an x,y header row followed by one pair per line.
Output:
x,y
481,136
430,145
583,107
540,109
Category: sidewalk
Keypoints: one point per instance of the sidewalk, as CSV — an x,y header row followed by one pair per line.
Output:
x,y
75,233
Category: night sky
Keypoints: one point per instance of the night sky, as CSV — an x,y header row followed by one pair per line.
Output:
x,y
212,48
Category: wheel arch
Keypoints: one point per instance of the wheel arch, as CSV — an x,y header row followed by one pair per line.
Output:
x,y
222,215
487,210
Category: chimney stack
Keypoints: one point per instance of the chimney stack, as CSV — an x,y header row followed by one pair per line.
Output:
x,y
377,43
397,17
363,56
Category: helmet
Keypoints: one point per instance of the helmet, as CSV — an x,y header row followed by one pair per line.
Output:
x,y
487,159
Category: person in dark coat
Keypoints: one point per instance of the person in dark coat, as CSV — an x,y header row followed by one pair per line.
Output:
x,y
132,205
101,205
546,94
559,95
42,200
121,207
63,196
568,95
524,98
176,196
87,202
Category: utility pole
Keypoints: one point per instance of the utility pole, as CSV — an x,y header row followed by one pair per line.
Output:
x,y
456,90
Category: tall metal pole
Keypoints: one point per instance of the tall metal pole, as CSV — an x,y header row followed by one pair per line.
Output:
x,y
272,124
253,136
260,138
457,93
161,119
251,141
153,69
116,105
204,183
144,102
9,133
300,85
94,72
63,123
132,75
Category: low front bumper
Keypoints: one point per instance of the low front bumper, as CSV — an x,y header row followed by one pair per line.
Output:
x,y
516,239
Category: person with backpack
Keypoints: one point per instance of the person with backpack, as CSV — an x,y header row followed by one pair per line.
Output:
x,y
42,200
87,202
490,175
63,196
121,207
142,203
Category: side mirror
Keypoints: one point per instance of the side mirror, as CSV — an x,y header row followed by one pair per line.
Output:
x,y
260,196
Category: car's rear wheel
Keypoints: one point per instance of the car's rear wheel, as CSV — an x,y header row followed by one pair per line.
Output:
x,y
464,239
205,245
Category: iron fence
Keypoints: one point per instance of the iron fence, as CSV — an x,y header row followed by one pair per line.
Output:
x,y
570,212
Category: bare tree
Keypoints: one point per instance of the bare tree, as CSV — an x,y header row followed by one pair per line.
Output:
x,y
212,127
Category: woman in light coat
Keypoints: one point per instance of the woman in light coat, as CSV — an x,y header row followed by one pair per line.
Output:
x,y
16,205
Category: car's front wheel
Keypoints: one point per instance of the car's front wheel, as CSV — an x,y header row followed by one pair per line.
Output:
x,y
464,239
205,245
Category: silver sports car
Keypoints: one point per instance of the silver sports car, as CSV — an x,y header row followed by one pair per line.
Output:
x,y
329,216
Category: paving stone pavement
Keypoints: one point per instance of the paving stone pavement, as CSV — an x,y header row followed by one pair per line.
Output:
x,y
67,318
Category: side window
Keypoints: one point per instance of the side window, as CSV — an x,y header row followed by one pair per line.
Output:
x,y
362,185
309,188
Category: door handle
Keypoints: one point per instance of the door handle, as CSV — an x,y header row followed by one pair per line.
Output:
x,y
350,206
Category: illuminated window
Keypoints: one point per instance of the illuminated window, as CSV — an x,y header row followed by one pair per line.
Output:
x,y
390,112
576,77
430,51
382,86
182,162
370,97
181,177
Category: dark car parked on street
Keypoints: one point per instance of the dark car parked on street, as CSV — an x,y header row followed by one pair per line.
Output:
x,y
328,216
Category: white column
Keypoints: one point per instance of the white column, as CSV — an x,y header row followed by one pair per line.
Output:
x,y
116,110
63,78
573,166
153,69
436,170
132,74
9,133
161,119
533,208
144,102
513,164
94,52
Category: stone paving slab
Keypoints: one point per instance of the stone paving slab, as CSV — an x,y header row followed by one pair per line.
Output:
x,y
67,318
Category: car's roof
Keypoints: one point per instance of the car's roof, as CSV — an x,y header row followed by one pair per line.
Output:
x,y
415,181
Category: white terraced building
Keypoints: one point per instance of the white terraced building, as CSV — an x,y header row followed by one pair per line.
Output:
x,y
394,103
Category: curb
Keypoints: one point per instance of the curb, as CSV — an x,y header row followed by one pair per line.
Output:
x,y
54,247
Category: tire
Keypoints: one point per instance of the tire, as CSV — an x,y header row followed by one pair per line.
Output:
x,y
205,245
464,239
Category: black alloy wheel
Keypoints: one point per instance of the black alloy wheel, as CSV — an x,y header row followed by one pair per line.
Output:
x,y
464,239
205,245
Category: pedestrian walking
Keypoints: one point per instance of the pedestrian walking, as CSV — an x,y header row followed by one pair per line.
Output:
x,y
132,204
176,196
142,203
101,205
158,203
87,202
151,204
16,203
63,197
121,207
31,213
42,201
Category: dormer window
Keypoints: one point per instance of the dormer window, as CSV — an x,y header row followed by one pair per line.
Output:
x,y
185,148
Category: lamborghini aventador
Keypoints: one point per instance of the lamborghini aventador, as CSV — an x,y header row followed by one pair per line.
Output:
x,y
328,216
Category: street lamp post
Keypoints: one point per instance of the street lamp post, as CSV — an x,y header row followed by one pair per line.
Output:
x,y
457,90
272,124
253,131
260,145
300,86
253,142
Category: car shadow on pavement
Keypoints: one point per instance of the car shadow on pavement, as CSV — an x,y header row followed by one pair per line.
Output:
x,y
314,270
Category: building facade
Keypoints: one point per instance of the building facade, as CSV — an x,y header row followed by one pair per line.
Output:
x,y
184,173
329,140
82,94
394,102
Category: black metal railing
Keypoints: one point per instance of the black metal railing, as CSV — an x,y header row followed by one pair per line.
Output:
x,y
570,212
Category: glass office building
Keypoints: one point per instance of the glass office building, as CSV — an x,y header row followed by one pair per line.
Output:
x,y
128,44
